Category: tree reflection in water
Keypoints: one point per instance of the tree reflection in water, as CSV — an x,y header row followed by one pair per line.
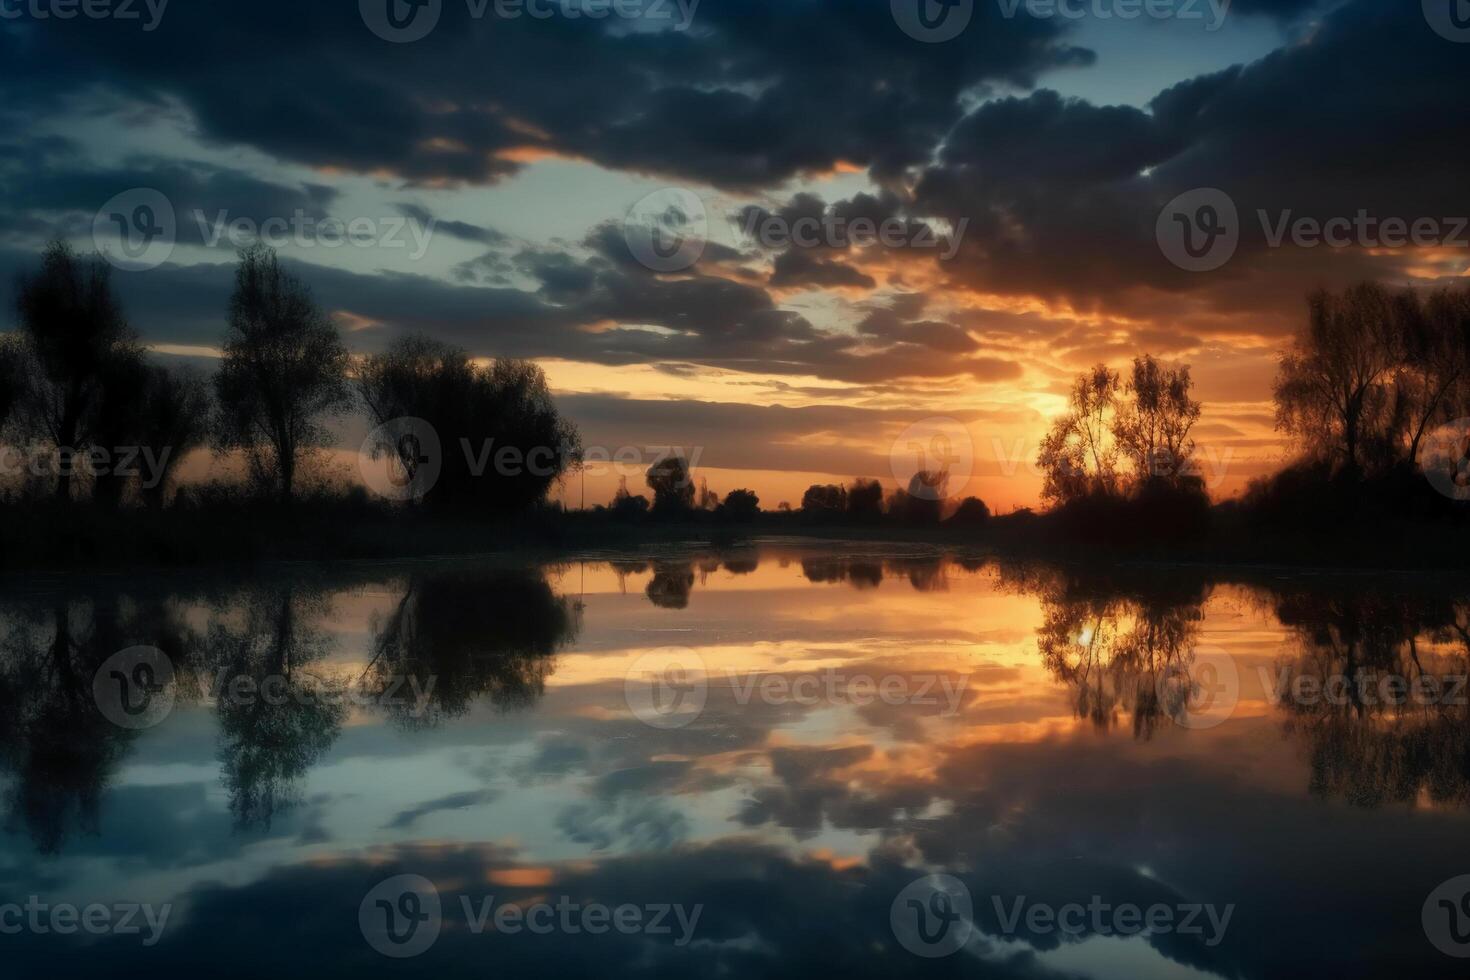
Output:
x,y
1376,693
459,636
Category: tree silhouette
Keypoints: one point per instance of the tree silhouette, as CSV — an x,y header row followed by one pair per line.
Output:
x,y
740,506
1334,391
865,500
1079,455
1368,743
269,738
174,421
1433,382
824,500
1152,429
59,749
673,489
461,637
72,331
503,444
10,377
284,370
625,506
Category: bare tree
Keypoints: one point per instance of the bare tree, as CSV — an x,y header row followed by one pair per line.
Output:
x,y
1334,387
284,371
1434,378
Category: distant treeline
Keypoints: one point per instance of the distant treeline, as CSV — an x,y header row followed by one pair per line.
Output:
x,y
1368,379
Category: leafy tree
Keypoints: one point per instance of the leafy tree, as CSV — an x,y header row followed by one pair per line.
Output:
x,y
625,506
1079,455
922,502
284,371
824,500
673,489
972,512
865,499
741,506
1152,429
72,331
503,443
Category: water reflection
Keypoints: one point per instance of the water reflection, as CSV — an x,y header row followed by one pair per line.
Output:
x,y
468,723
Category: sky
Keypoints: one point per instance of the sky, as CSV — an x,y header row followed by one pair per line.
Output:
x,y
503,168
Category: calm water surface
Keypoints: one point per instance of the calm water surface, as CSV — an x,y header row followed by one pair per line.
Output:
x,y
805,761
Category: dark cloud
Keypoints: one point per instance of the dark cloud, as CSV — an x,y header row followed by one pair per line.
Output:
x,y
752,94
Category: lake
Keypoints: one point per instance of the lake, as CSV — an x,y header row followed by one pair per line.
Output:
x,y
790,759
